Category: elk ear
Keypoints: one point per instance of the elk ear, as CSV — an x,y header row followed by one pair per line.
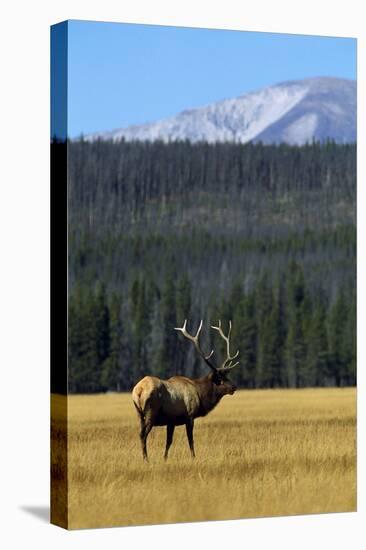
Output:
x,y
216,378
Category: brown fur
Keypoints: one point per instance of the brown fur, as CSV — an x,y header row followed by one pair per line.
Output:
x,y
177,401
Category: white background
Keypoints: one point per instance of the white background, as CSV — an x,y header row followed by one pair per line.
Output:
x,y
24,272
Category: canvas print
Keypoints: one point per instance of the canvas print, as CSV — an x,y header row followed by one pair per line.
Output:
x,y
203,195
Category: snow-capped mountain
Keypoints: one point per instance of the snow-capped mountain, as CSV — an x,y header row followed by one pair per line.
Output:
x,y
293,112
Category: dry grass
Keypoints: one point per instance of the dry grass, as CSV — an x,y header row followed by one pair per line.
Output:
x,y
259,453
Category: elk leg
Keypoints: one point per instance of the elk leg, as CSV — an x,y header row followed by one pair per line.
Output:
x,y
189,430
143,440
142,431
169,438
145,432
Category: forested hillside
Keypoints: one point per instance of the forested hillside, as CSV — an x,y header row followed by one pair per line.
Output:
x,y
262,235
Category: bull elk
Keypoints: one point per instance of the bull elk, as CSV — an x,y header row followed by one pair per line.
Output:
x,y
180,400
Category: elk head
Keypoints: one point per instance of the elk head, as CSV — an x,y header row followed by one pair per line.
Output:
x,y
219,374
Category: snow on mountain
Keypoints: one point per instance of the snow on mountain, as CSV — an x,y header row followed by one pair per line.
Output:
x,y
293,112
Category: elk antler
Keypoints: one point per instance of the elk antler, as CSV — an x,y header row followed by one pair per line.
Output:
x,y
195,341
228,363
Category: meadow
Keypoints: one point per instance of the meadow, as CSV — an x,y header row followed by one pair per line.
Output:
x,y
259,453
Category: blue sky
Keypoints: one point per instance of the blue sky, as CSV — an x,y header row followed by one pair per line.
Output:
x,y
122,74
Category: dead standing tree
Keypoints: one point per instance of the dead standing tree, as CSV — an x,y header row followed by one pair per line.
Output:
x,y
180,400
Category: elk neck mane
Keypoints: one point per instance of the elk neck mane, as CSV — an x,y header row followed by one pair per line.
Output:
x,y
207,393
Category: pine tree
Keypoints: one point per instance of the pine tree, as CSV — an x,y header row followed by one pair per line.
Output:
x,y
167,352
276,338
247,334
350,337
140,312
112,376
263,304
339,350
317,350
87,372
102,329
75,336
295,343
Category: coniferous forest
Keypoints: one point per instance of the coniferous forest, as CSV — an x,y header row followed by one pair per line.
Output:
x,y
262,235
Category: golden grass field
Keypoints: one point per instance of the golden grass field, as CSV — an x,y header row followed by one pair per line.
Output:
x,y
259,453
